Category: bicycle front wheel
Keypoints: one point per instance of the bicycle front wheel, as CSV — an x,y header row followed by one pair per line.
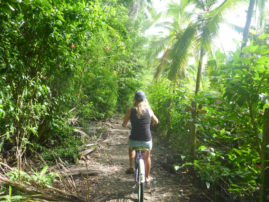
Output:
x,y
140,192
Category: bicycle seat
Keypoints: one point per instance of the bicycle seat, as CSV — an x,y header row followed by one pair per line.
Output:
x,y
140,148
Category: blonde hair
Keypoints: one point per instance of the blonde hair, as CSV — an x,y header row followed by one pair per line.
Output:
x,y
141,107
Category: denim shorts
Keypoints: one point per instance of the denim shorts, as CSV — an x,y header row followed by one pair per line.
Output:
x,y
136,143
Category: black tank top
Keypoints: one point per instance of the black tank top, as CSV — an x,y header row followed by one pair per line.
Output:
x,y
140,126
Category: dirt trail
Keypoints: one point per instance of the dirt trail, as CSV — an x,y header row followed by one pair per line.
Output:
x,y
112,184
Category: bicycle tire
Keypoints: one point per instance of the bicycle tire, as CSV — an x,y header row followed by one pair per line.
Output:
x,y
141,192
140,181
140,176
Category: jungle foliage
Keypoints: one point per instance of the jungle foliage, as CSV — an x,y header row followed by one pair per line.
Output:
x,y
64,63
217,127
229,120
60,60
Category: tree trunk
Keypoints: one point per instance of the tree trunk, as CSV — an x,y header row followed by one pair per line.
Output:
x,y
261,16
194,104
199,71
264,194
248,21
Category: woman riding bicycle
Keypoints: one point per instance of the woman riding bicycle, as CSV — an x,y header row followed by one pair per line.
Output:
x,y
141,117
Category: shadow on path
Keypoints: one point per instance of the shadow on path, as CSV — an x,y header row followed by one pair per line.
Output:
x,y
112,184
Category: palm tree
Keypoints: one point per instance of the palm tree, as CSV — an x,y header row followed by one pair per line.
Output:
x,y
170,46
209,16
138,6
261,20
248,21
201,27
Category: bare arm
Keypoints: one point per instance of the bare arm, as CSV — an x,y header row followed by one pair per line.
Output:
x,y
154,119
126,118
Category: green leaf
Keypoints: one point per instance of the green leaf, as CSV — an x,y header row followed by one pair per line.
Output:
x,y
44,170
202,148
11,8
182,157
177,167
17,197
263,36
263,60
10,191
207,185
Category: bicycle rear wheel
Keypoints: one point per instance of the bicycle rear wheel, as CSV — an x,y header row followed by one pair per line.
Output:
x,y
140,192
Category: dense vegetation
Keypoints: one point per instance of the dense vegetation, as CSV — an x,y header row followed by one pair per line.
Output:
x,y
62,60
221,114
66,63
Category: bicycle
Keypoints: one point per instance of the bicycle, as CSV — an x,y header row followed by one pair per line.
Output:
x,y
140,171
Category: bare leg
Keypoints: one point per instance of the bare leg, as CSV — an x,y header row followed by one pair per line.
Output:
x,y
131,158
147,164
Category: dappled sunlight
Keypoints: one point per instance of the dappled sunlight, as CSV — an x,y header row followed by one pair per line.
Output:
x,y
112,184
69,70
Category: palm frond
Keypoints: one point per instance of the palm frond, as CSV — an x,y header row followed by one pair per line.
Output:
x,y
166,25
148,23
173,10
178,12
199,4
163,61
180,50
182,71
177,9
157,46
153,17
210,25
156,17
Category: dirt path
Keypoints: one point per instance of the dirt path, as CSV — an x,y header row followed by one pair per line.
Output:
x,y
110,159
